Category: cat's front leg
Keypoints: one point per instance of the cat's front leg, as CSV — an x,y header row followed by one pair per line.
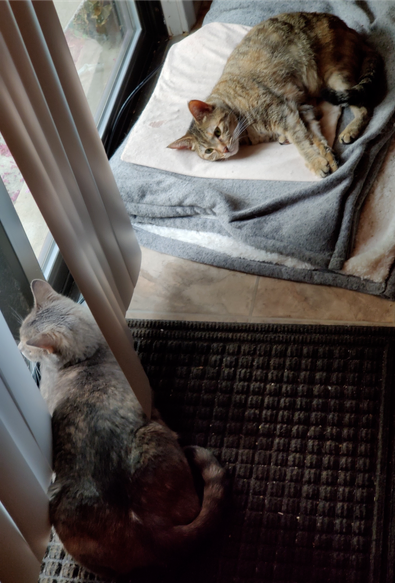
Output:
x,y
317,154
258,134
309,114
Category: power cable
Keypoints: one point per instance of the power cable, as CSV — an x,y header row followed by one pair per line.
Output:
x,y
126,103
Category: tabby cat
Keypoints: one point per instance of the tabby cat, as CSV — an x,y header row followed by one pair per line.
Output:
x,y
124,496
272,81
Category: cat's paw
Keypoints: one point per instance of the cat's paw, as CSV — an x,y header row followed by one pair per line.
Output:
x,y
325,163
320,166
331,158
348,136
283,141
355,127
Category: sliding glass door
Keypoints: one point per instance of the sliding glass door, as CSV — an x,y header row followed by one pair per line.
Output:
x,y
102,36
111,42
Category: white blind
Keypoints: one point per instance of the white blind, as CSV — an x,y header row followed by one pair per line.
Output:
x,y
46,122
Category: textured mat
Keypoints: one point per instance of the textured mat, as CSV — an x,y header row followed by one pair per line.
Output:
x,y
302,416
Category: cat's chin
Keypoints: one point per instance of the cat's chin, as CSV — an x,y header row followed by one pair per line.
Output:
x,y
27,353
233,150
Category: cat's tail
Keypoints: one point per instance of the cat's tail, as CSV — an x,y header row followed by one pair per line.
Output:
x,y
214,478
370,88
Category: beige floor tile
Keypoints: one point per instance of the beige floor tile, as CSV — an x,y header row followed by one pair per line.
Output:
x,y
169,287
299,301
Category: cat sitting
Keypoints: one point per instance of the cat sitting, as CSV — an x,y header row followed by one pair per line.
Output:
x,y
272,81
123,497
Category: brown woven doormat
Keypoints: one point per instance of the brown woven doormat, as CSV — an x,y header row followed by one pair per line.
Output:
x,y
303,418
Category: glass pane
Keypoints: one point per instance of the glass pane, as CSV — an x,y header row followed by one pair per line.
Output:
x,y
99,34
31,218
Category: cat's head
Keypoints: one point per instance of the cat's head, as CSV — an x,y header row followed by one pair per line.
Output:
x,y
57,328
213,133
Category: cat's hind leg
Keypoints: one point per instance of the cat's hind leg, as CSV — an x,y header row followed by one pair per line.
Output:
x,y
340,82
356,126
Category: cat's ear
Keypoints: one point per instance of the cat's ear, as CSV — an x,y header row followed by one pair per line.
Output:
x,y
184,143
199,109
42,292
43,341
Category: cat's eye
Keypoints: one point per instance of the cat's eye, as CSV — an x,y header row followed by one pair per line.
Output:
x,y
217,132
209,150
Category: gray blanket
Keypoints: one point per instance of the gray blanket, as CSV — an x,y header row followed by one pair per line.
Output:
x,y
312,222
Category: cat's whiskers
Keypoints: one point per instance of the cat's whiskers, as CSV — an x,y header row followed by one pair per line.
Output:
x,y
242,125
17,316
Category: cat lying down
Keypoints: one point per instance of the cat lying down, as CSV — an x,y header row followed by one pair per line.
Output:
x,y
123,497
272,82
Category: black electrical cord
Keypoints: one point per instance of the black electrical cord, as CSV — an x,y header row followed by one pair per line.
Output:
x,y
126,103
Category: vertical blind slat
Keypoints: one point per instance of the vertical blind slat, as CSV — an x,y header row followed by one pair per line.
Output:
x,y
25,394
20,491
88,133
85,270
87,273
25,456
17,562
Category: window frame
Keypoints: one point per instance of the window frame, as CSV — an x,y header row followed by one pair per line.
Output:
x,y
150,43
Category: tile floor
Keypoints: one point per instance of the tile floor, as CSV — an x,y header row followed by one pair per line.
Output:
x,y
170,288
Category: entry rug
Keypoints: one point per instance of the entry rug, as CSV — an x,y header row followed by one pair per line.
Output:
x,y
303,419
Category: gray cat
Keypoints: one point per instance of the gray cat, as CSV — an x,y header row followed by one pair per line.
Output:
x,y
124,496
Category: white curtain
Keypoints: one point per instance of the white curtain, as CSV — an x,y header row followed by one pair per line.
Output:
x,y
48,127
47,124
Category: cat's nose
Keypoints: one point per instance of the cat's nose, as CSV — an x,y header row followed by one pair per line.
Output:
x,y
225,150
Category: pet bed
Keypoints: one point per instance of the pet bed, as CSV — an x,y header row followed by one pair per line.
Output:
x,y
262,211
